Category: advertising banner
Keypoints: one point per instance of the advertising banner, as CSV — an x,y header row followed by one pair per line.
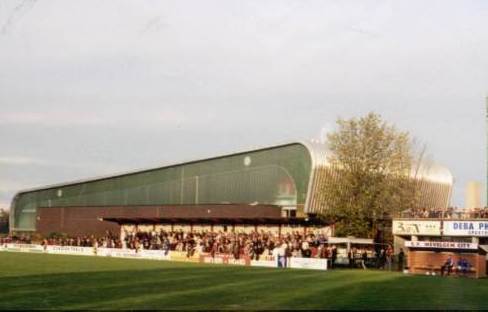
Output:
x,y
239,261
223,259
466,228
70,250
118,253
269,261
182,256
416,227
308,263
265,263
441,245
217,259
154,254
24,248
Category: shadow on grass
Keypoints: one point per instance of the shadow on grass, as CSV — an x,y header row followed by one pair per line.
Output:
x,y
166,285
393,291
166,288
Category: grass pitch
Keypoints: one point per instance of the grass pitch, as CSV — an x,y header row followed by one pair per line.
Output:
x,y
39,281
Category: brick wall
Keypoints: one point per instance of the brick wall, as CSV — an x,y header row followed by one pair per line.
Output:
x,y
85,220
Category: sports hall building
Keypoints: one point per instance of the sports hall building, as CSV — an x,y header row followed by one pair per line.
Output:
x,y
278,186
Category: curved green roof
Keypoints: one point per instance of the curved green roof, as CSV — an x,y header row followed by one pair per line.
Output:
x,y
278,175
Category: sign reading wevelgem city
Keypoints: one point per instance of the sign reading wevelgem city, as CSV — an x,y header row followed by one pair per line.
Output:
x,y
466,228
441,245
415,227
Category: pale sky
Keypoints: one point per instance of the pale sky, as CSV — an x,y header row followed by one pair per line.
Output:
x,y
91,88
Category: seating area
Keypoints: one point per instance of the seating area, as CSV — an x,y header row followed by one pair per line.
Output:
x,y
456,270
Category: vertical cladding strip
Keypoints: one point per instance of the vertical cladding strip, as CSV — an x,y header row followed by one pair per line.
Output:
x,y
449,195
433,195
306,208
182,184
313,192
319,197
318,159
313,164
316,190
12,213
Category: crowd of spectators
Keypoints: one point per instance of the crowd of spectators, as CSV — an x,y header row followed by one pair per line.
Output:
x,y
449,213
22,239
255,245
109,240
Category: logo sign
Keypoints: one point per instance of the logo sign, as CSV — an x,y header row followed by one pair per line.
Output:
x,y
414,227
247,161
441,245
466,228
69,250
223,259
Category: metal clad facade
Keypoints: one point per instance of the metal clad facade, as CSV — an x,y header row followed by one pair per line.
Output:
x,y
276,176
292,176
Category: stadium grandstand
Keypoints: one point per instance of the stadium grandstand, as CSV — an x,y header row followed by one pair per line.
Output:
x,y
276,187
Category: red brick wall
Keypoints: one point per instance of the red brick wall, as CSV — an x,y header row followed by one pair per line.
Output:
x,y
85,220
73,221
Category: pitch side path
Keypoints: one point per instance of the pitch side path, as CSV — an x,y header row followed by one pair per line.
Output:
x,y
40,281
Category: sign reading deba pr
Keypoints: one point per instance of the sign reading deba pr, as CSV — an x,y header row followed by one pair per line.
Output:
x,y
466,228
416,227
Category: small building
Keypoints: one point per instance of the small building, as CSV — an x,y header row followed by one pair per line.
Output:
x,y
430,242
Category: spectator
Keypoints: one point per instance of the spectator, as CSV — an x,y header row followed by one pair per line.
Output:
x,y
389,257
333,256
401,259
447,266
463,266
364,258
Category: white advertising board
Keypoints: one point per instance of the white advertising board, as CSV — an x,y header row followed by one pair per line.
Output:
x,y
264,263
154,254
308,263
236,261
441,245
304,263
466,228
24,248
117,253
210,259
70,250
416,227
221,259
